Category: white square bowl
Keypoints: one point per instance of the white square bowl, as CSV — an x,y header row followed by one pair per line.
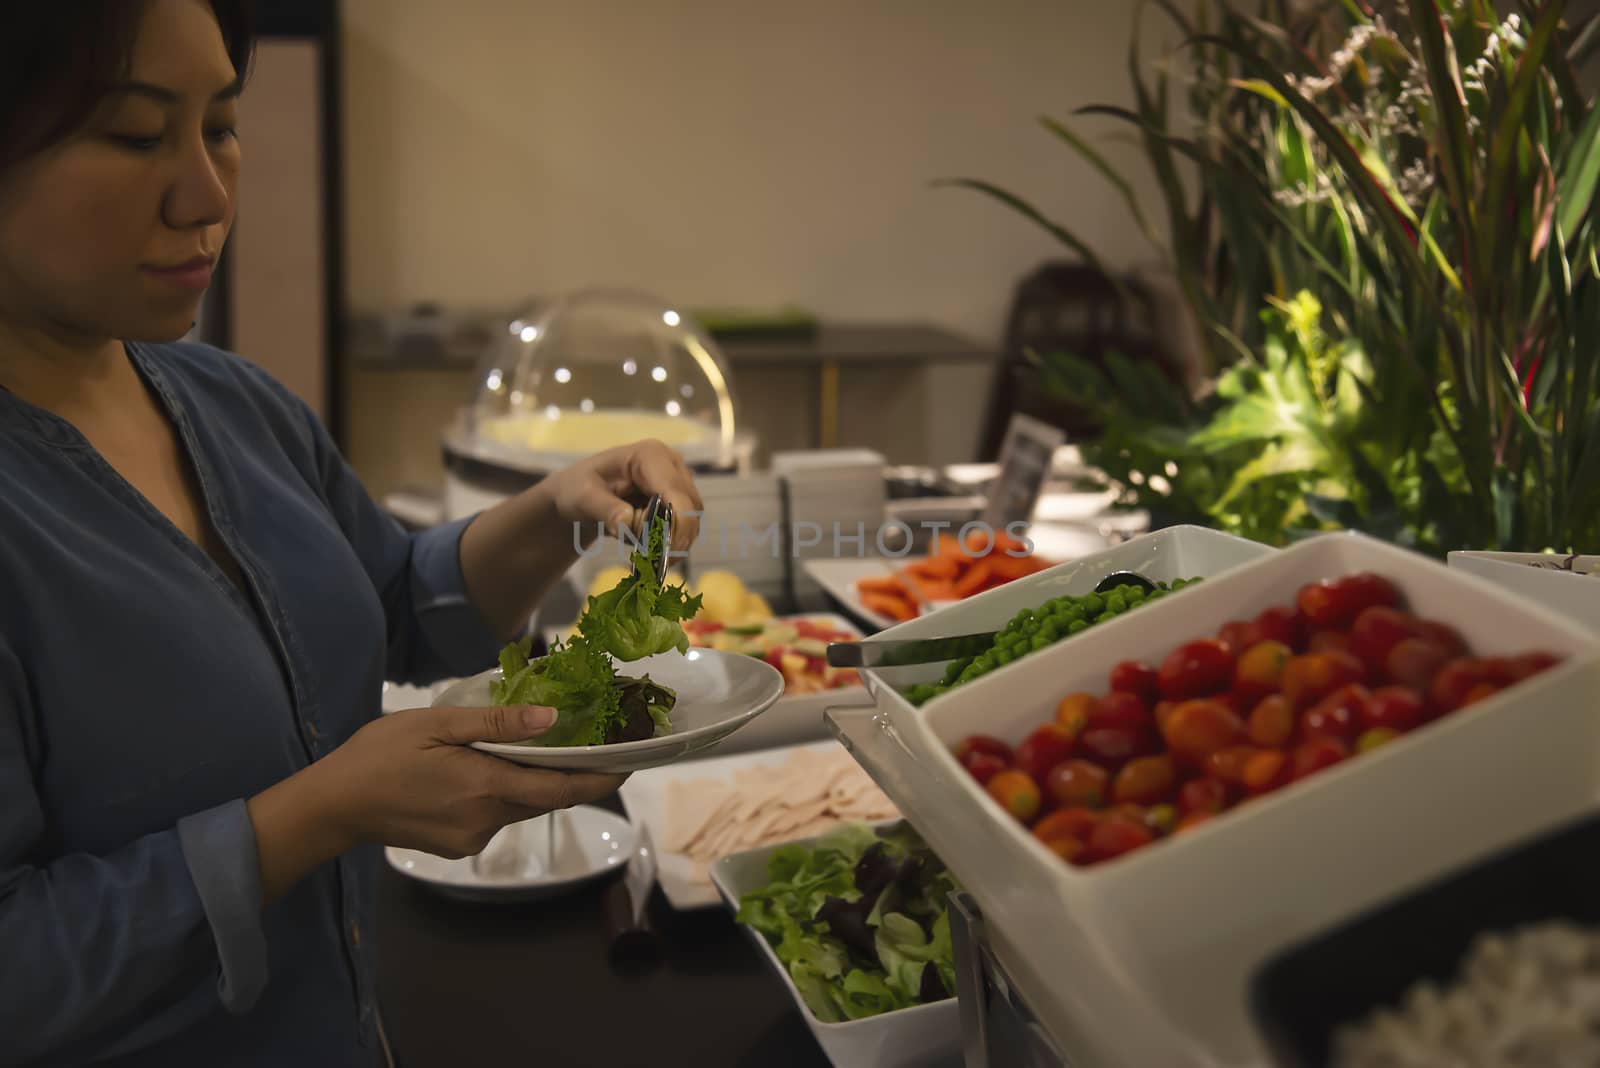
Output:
x,y
1182,923
924,1036
1568,584
1181,552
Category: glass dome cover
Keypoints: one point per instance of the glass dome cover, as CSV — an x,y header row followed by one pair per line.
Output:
x,y
596,369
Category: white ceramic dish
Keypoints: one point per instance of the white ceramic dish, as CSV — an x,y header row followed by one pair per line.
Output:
x,y
589,842
925,1036
645,797
717,694
1181,925
838,575
1568,584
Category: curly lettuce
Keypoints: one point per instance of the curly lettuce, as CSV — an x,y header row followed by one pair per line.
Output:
x,y
635,619
576,679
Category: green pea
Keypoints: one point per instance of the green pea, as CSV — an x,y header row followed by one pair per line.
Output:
x,y
1041,642
1049,632
1077,626
1004,658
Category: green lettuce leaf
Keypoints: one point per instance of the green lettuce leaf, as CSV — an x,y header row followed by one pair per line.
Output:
x,y
576,679
634,619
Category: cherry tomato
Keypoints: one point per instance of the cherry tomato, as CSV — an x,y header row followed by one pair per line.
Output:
x,y
1120,709
1397,708
1238,636
1530,664
1310,677
984,766
1118,834
1138,678
1202,795
1074,710
1373,737
1193,820
1160,713
1365,590
1161,818
1227,765
1196,669
982,743
1480,692
1196,729
1272,722
1413,662
1114,746
1329,641
1146,780
1319,603
1282,624
1443,635
1315,754
1266,770
1259,669
1042,750
1066,823
1338,715
1449,689
1017,793
1068,849
1078,784
1377,630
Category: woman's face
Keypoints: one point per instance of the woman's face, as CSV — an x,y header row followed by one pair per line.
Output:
x,y
112,233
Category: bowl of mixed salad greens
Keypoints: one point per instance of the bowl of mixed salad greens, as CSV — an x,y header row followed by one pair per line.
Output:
x,y
856,922
629,691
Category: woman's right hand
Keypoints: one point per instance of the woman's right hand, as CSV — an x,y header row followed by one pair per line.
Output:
x,y
410,779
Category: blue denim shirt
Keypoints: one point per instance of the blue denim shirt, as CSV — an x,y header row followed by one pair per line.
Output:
x,y
143,697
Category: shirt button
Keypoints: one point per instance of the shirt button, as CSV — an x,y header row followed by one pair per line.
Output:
x,y
355,934
311,729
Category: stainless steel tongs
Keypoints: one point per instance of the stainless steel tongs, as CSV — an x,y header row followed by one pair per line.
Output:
x,y
654,509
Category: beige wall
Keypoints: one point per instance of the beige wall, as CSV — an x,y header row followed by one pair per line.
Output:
x,y
721,152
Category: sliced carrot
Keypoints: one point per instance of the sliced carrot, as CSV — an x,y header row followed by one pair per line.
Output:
x,y
935,567
1005,544
937,591
885,584
1013,567
893,607
948,545
973,581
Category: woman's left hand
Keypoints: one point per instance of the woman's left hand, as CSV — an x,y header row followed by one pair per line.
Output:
x,y
609,489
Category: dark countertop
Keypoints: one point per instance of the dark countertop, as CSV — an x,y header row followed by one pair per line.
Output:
x,y
470,985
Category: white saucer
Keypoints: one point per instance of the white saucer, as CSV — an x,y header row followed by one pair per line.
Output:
x,y
589,842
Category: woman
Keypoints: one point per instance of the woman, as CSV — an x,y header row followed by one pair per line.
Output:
x,y
198,603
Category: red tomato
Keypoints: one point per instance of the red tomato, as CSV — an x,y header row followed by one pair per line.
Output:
x,y
1119,709
1196,729
984,766
1138,678
1068,849
1310,677
1480,692
1272,722
1161,818
1160,713
1118,834
1443,635
1227,765
982,743
1365,590
1530,664
1066,823
1266,770
1078,784
1312,756
1414,661
1395,707
1259,669
1017,793
1074,710
1202,795
1196,669
1329,641
1238,636
1146,780
1377,630
1281,624
1374,737
1042,750
1193,820
1114,746
1449,688
1338,715
1319,603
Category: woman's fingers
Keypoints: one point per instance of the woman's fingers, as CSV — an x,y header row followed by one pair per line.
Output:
x,y
659,469
463,726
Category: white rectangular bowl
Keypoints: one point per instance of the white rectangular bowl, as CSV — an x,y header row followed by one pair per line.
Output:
x,y
924,1036
1162,556
1181,924
1575,594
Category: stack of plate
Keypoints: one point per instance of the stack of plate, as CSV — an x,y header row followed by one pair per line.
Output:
x,y
741,531
836,501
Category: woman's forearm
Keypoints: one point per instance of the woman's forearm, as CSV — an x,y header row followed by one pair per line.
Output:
x,y
297,829
512,555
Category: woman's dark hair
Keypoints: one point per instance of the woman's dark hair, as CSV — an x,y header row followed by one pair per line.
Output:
x,y
57,58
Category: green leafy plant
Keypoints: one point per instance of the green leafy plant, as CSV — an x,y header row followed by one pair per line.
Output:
x,y
1426,170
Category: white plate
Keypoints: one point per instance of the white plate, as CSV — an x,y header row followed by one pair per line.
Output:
x,y
839,575
1570,585
589,842
717,694
924,1036
1175,930
645,797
